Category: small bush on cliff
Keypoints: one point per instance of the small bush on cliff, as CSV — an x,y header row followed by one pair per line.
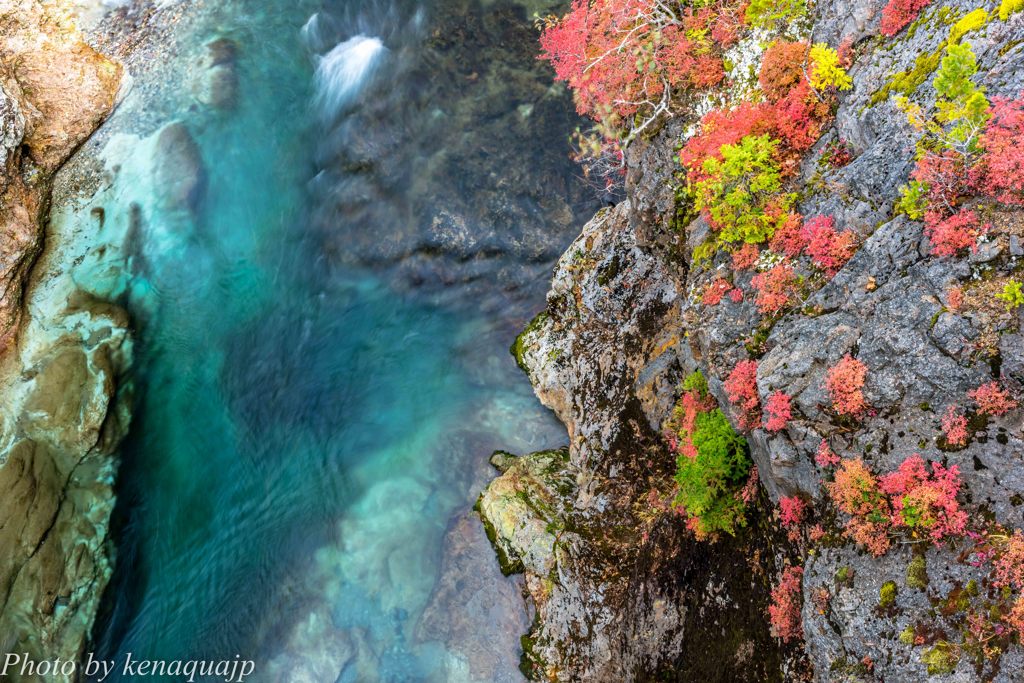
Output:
x,y
712,464
826,69
625,59
1012,295
898,13
913,501
741,388
740,193
1008,7
925,502
993,399
787,601
844,382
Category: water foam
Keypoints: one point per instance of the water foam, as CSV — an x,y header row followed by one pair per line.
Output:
x,y
342,71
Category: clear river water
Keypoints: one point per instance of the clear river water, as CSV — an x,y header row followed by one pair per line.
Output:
x,y
322,365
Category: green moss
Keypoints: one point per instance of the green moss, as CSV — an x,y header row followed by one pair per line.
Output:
x,y
518,348
844,575
907,82
972,588
508,565
531,664
941,658
917,573
887,594
972,21
907,635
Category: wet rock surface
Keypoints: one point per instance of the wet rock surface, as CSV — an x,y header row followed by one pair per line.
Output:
x,y
476,72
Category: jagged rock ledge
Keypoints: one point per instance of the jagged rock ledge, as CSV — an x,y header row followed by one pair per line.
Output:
x,y
621,591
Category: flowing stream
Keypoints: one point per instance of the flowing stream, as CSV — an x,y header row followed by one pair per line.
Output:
x,y
323,320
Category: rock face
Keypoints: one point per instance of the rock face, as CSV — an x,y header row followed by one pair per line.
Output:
x,y
54,91
618,585
622,592
61,369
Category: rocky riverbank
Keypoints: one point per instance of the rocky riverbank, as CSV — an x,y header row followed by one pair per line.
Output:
x,y
622,590
64,351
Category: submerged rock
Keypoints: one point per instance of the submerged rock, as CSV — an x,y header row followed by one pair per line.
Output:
x,y
179,176
217,78
473,607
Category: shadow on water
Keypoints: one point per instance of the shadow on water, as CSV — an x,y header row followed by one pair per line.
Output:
x,y
322,369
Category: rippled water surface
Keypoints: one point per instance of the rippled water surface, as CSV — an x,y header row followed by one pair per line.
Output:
x,y
322,367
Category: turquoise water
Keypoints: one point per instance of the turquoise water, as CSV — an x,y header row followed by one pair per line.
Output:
x,y
309,426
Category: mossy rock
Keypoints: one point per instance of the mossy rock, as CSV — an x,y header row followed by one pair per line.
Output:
x,y
887,595
518,348
917,573
941,658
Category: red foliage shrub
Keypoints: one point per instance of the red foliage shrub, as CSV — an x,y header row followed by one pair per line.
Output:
x,y
714,292
844,382
681,426
736,295
925,503
898,13
954,298
1000,171
788,238
798,120
825,457
787,601
1008,567
947,177
855,491
828,249
718,128
775,288
782,68
992,399
617,55
791,511
954,426
1015,618
952,235
778,410
837,154
741,388
745,257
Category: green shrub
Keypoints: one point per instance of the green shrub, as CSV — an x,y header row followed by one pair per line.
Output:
x,y
742,192
1012,295
709,483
